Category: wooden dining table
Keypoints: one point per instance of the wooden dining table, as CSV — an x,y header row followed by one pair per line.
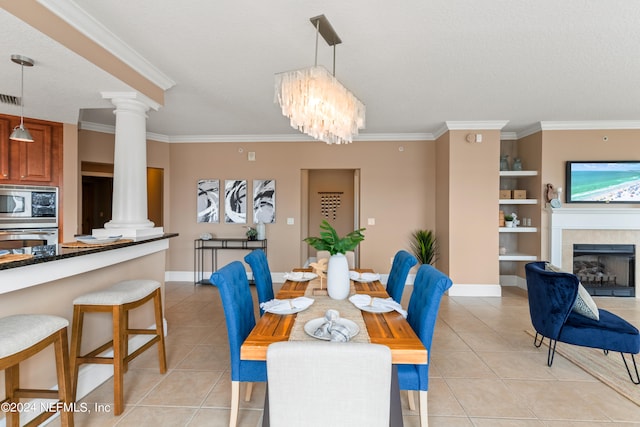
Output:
x,y
390,329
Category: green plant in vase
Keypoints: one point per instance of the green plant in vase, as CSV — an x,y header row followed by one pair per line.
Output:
x,y
330,241
424,246
252,233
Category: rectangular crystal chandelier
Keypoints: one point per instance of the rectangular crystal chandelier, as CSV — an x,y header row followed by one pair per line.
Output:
x,y
315,102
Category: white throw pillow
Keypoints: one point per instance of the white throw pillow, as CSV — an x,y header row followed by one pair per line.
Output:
x,y
584,304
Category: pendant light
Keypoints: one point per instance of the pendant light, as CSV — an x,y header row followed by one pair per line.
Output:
x,y
19,132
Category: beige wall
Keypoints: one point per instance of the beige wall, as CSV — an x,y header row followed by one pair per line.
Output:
x,y
397,189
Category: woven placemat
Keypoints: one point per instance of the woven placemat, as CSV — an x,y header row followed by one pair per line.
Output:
x,y
14,257
93,245
323,303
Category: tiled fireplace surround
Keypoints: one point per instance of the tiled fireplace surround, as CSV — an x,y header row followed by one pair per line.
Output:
x,y
595,226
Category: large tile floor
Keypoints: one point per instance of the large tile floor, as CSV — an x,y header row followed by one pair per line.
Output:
x,y
485,371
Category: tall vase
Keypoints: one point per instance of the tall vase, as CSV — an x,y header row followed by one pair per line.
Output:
x,y
338,281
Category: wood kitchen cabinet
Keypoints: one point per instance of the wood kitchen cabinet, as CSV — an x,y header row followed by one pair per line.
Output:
x,y
38,162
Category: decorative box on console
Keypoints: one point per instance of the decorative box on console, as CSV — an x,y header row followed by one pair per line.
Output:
x,y
519,194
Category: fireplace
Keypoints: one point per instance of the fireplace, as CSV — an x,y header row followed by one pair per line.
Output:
x,y
606,269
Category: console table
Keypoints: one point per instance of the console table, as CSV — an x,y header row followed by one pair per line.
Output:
x,y
200,246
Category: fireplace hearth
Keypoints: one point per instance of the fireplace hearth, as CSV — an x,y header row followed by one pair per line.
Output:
x,y
605,269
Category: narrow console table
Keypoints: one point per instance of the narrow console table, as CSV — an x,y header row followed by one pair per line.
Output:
x,y
200,246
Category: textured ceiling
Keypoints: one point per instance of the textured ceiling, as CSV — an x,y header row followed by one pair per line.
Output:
x,y
415,64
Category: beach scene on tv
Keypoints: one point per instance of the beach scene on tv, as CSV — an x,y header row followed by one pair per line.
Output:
x,y
608,182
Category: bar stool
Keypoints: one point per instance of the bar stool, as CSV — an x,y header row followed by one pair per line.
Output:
x,y
23,336
119,299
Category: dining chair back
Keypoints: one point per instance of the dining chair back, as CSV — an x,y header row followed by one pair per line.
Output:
x,y
402,263
257,260
428,288
237,302
326,384
351,257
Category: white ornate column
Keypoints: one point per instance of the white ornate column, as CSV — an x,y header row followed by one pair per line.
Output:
x,y
129,211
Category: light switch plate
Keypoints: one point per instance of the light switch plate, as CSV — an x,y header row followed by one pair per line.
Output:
x,y
290,221
371,221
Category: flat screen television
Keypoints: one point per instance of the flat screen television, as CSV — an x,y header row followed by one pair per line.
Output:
x,y
603,181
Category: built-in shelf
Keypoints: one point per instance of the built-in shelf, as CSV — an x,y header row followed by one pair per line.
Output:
x,y
517,229
518,173
516,256
518,201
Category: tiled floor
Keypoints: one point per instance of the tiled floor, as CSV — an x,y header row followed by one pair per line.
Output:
x,y
485,371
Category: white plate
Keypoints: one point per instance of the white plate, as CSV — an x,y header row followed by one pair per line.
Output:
x,y
311,326
3,253
300,276
374,309
90,240
368,277
303,304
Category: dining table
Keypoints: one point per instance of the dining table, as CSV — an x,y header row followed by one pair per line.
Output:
x,y
388,328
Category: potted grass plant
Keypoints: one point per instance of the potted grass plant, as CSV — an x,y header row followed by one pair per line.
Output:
x,y
338,283
424,246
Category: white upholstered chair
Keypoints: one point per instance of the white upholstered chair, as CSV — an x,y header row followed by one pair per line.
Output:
x,y
328,384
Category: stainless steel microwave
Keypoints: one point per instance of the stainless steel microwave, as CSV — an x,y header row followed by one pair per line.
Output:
x,y
23,206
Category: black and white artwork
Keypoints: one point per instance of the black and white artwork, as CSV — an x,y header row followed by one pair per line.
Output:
x,y
208,200
235,201
264,201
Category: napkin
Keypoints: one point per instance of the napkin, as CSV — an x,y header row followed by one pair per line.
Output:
x,y
362,300
332,328
367,277
279,306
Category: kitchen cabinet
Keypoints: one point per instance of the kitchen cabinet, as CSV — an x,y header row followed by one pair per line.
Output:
x,y
38,162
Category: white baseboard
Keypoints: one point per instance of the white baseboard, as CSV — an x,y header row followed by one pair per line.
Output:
x,y
513,280
475,290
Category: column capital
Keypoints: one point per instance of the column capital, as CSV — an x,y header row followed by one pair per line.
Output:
x,y
131,98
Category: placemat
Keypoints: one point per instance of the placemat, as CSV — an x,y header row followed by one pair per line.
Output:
x,y
318,309
93,245
14,257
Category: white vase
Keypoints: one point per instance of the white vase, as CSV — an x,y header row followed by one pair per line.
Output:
x,y
338,281
261,231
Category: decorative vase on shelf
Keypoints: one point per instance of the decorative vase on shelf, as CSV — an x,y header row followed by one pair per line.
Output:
x,y
261,231
338,281
517,164
504,163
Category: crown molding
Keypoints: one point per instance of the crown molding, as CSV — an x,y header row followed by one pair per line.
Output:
x,y
75,16
590,125
476,125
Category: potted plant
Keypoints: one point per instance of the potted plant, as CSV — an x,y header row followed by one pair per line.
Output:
x,y
338,282
252,233
424,246
508,220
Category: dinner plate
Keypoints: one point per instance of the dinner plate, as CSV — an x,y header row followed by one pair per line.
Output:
x,y
377,308
4,252
302,304
363,277
300,276
311,326
90,240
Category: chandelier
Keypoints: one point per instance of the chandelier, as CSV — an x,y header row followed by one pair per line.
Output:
x,y
315,102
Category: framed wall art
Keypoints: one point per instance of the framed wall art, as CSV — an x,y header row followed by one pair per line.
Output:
x,y
235,201
264,201
208,200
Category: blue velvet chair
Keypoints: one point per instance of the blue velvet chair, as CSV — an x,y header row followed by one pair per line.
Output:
x,y
231,280
428,288
257,260
551,298
402,263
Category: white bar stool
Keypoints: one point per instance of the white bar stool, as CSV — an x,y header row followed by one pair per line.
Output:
x,y
119,299
23,336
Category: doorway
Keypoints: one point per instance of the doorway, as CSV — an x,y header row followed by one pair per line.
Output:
x,y
332,195
97,195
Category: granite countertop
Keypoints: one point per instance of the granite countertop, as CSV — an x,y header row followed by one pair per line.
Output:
x,y
48,253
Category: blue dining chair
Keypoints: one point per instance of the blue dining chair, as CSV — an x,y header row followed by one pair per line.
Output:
x,y
428,288
231,281
402,263
257,260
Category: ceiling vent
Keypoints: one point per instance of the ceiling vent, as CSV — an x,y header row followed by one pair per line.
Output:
x,y
9,99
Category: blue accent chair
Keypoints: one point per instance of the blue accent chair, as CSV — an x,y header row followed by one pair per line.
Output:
x,y
231,280
402,263
551,298
257,260
428,288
